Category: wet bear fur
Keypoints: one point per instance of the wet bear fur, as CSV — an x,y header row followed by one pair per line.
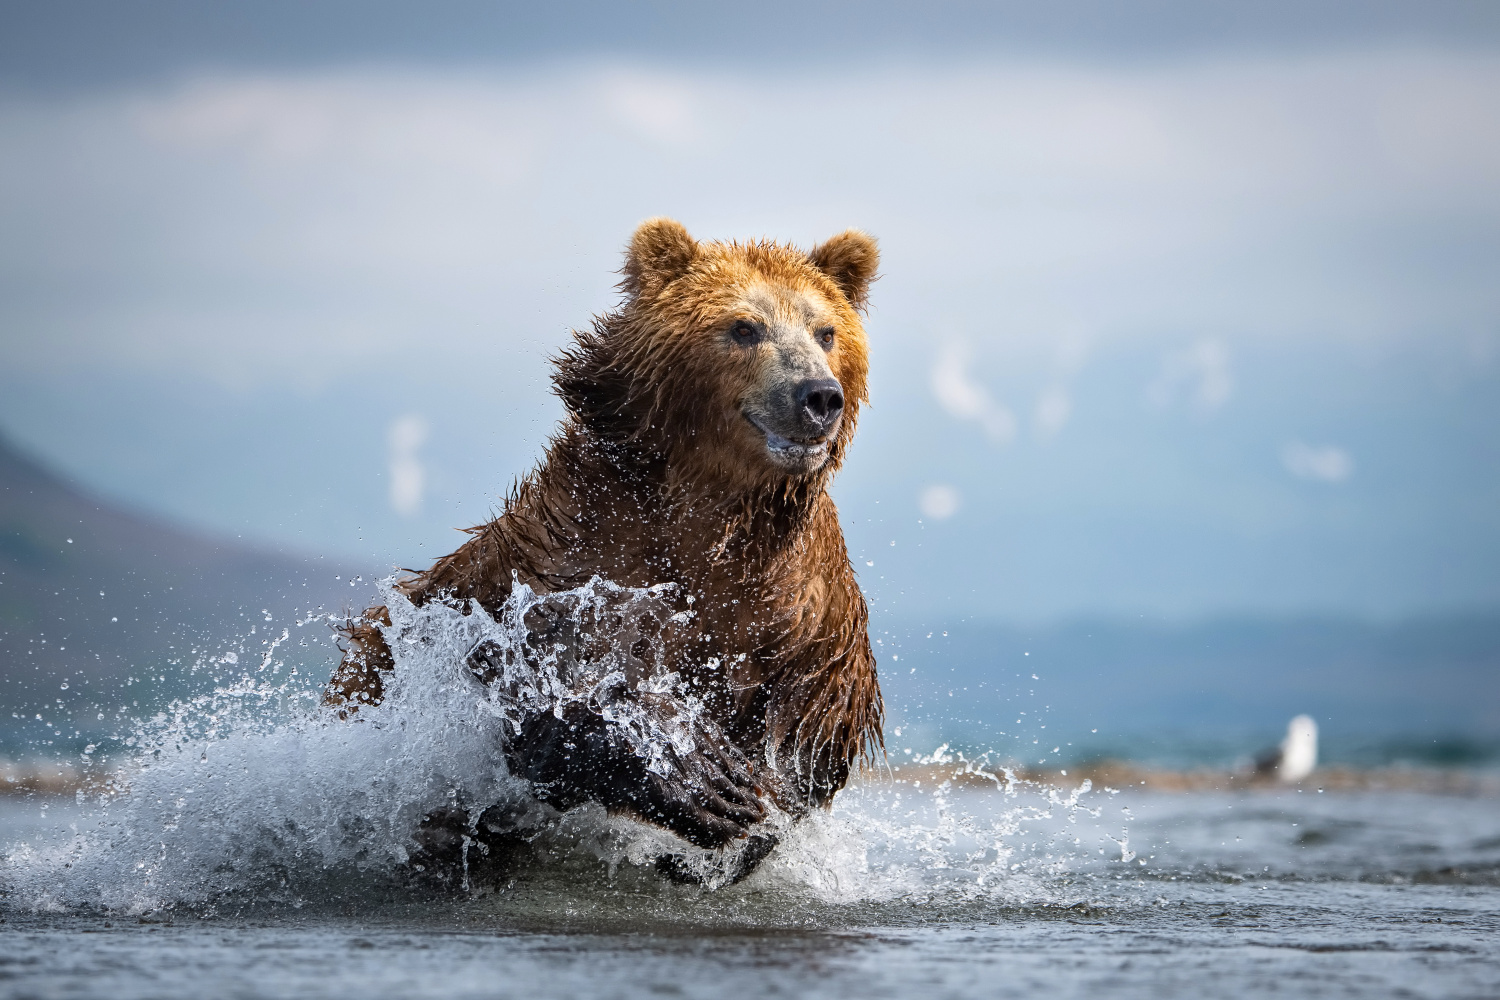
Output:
x,y
695,453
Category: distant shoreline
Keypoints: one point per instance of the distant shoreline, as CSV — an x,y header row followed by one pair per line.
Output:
x,y
58,778
1121,774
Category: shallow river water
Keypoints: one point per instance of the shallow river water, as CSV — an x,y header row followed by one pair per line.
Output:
x,y
251,844
1274,893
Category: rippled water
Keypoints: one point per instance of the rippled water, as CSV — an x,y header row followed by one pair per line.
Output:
x,y
252,852
1258,893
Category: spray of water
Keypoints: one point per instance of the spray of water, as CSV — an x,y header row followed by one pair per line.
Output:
x,y
255,794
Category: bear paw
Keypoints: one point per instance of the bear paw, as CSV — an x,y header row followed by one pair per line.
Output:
x,y
707,796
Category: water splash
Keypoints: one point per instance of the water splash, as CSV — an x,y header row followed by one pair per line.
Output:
x,y
256,795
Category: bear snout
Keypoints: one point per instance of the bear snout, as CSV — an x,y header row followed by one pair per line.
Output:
x,y
819,403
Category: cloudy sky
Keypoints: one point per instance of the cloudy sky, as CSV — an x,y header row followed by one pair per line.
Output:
x,y
1181,311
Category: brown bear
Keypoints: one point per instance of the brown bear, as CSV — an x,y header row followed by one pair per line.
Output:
x,y
705,418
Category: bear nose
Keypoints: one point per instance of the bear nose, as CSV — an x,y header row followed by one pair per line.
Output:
x,y
822,400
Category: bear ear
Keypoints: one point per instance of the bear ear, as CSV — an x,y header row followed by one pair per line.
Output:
x,y
660,250
850,259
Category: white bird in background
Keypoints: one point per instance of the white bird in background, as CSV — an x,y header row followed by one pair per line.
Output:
x,y
1297,755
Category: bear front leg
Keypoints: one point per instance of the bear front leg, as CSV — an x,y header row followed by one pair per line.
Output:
x,y
707,797
360,677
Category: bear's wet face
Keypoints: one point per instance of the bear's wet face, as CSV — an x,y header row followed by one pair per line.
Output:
x,y
784,341
741,365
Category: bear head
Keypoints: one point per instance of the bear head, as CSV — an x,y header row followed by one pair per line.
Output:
x,y
741,366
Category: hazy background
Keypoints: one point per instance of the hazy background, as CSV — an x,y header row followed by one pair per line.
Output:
x,y
1185,353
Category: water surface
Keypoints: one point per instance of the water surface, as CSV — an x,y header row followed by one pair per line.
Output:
x,y
1258,893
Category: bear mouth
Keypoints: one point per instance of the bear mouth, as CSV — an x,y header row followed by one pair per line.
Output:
x,y
792,451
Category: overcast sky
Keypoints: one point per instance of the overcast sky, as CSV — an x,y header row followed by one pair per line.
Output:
x,y
1183,310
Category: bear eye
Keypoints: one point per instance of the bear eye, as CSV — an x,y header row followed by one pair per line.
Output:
x,y
824,336
745,332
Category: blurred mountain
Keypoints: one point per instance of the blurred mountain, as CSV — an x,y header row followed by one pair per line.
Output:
x,y
94,598
102,600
